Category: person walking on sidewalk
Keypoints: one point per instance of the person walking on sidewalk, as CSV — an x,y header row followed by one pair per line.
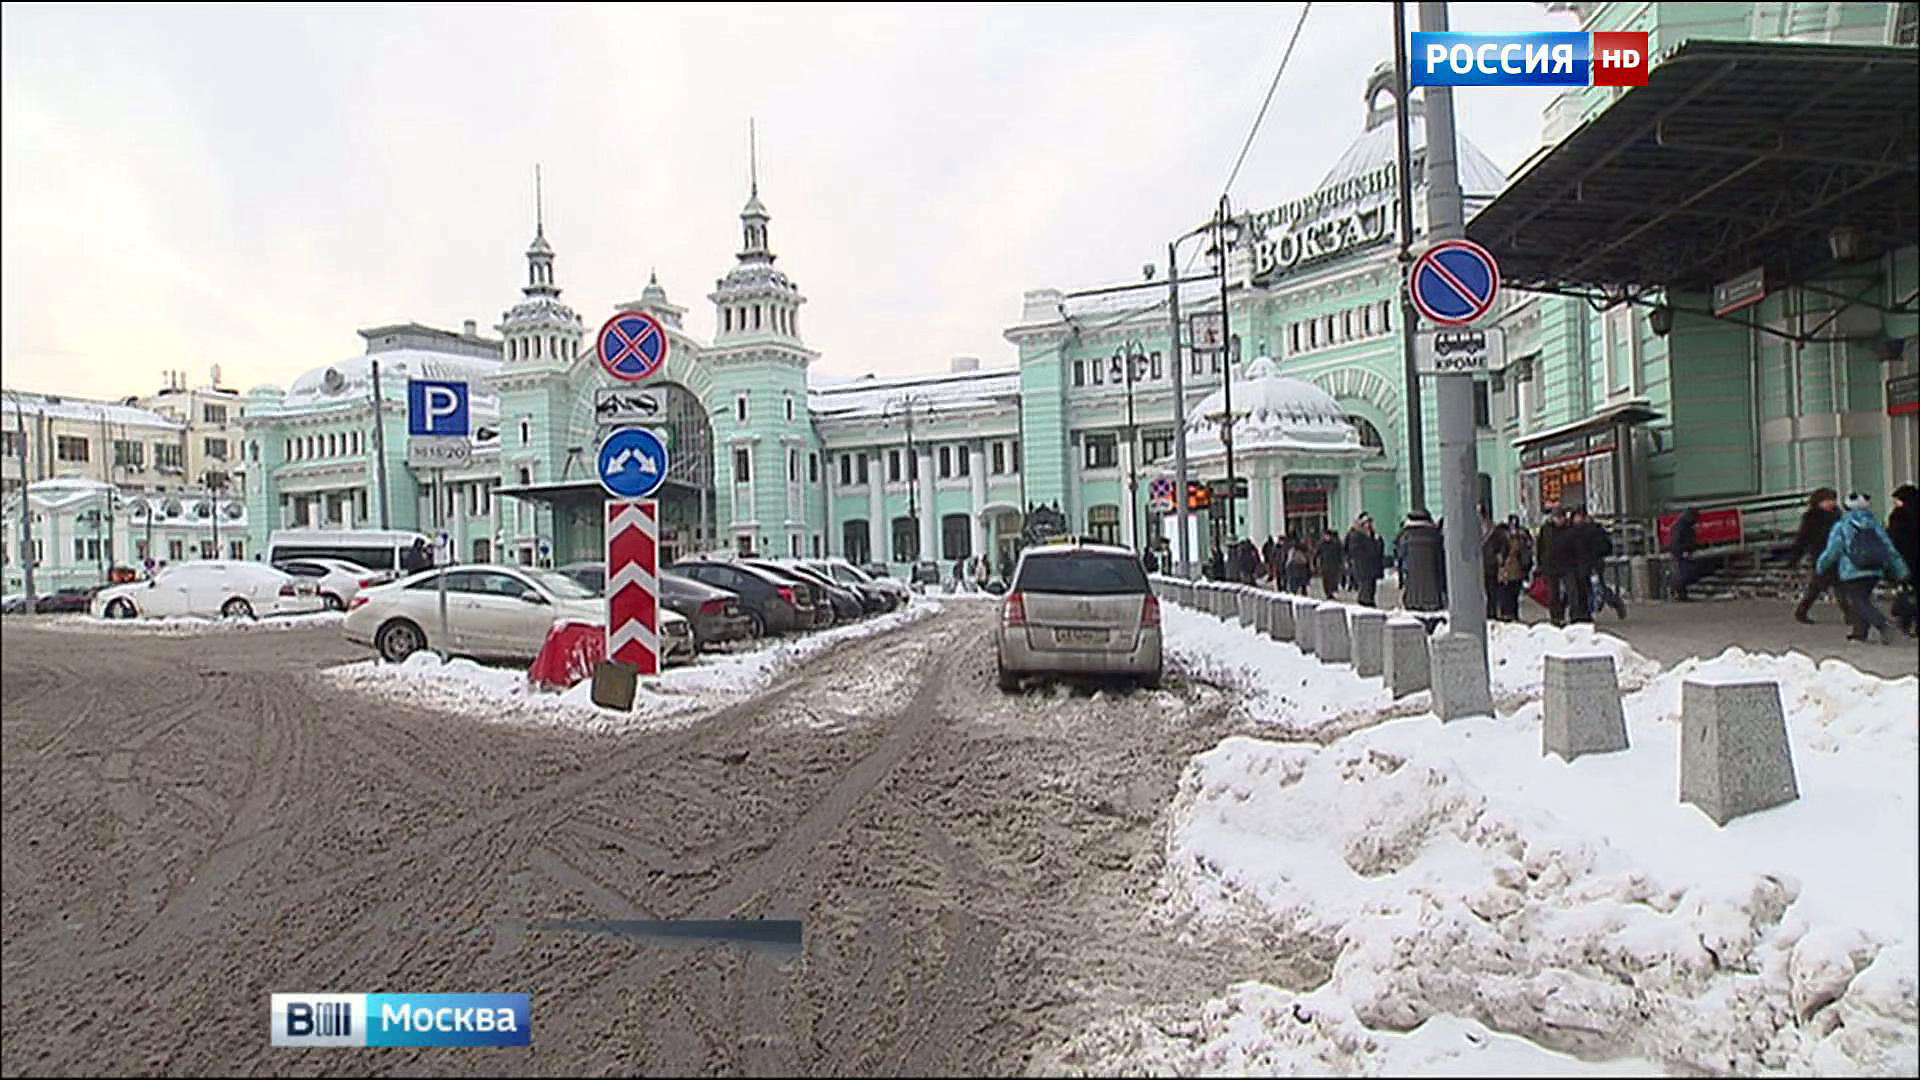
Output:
x,y
1515,567
1366,558
1903,525
1329,560
1823,513
1592,545
1859,553
1493,553
1681,545
1548,549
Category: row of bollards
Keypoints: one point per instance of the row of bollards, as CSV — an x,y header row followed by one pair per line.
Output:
x,y
1735,757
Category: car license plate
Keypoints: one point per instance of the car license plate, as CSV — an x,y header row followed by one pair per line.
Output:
x,y
1080,637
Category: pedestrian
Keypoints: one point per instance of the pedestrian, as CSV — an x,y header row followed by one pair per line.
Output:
x,y
1423,564
1548,565
1516,564
417,557
1366,557
1587,548
1299,566
1217,563
1597,546
1903,525
1493,555
981,574
1570,563
1681,544
1328,561
1816,524
1859,554
1146,561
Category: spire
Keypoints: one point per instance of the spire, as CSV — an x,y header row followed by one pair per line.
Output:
x,y
539,253
539,205
754,216
753,160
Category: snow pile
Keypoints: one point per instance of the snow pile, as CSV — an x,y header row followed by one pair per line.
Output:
x,y
1517,657
1273,681
187,625
505,694
1452,875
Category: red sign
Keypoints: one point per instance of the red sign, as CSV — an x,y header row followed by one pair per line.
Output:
x,y
1619,58
633,583
1715,527
632,346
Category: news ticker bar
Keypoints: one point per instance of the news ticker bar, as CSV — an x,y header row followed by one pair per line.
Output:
x,y
1544,58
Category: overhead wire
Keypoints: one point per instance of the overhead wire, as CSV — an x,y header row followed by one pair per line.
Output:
x,y
1268,101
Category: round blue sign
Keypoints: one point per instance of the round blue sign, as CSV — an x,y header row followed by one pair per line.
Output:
x,y
632,346
633,463
1454,282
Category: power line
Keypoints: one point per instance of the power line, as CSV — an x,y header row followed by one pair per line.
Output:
x,y
1271,87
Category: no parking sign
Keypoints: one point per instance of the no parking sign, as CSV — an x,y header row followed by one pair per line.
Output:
x,y
1454,282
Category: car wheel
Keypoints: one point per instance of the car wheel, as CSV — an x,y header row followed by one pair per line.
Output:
x,y
334,603
756,625
1152,682
236,608
398,640
1009,680
120,609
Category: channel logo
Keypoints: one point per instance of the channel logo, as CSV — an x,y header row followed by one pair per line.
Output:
x,y
402,1019
1548,58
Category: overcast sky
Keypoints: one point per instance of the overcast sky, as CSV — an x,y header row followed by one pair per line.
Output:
x,y
246,186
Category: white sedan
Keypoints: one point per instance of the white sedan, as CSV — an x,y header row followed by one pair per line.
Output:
x,y
493,613
337,580
214,587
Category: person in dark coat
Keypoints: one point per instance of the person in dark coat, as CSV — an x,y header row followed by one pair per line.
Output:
x,y
1547,564
1423,576
1217,563
1587,546
1903,528
1493,554
1569,556
1681,544
1329,559
417,557
1822,514
1366,558
1299,566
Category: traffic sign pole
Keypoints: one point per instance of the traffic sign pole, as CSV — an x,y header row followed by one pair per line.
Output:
x,y
439,499
633,583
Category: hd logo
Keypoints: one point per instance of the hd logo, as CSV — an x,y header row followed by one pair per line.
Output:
x,y
402,1020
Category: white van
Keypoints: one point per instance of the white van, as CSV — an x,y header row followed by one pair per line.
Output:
x,y
375,549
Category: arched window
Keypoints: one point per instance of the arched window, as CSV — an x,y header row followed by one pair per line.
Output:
x,y
956,536
1369,435
906,540
726,319
756,316
854,541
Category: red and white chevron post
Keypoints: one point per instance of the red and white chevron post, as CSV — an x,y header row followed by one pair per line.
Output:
x,y
633,583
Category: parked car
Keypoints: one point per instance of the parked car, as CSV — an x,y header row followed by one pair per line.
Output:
x,y
891,593
848,604
926,573
72,598
212,587
337,580
715,613
772,605
824,612
1079,608
499,613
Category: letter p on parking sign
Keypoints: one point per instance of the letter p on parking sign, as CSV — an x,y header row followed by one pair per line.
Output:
x,y
436,407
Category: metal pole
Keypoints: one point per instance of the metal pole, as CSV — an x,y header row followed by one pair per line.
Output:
x,y
913,492
213,496
1133,458
1459,452
1402,109
26,507
380,454
1226,367
1179,411
439,481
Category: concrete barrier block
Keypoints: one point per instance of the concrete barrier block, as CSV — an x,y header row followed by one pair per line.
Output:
x,y
1247,606
1735,758
1368,629
1304,627
1580,706
1282,618
1458,669
1330,638
1404,662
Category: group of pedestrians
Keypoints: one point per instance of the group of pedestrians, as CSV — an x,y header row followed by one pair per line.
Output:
x,y
1853,553
1353,563
1568,558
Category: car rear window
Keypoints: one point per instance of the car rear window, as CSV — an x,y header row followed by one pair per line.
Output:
x,y
1083,573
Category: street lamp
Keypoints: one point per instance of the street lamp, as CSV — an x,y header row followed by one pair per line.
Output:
x,y
902,408
1226,233
1133,354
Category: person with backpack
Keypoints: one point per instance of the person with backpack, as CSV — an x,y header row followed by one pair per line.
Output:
x,y
1822,514
1903,526
1859,554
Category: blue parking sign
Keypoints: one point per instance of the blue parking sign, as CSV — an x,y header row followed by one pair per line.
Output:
x,y
436,407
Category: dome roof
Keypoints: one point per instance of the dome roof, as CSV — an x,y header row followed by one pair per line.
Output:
x,y
1272,412
351,380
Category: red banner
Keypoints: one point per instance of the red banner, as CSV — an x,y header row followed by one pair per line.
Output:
x,y
1715,527
633,583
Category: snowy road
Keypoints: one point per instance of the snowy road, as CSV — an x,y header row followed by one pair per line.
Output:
x,y
192,823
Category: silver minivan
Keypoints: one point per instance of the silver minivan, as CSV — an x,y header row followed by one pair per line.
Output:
x,y
1079,609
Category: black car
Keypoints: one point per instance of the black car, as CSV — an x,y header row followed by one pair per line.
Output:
x,y
714,613
872,598
848,604
773,605
77,598
825,610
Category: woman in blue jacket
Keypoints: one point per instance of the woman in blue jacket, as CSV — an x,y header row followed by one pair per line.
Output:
x,y
1859,553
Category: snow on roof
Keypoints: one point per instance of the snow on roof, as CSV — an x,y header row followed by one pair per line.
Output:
x,y
1378,147
56,406
870,396
1273,412
354,378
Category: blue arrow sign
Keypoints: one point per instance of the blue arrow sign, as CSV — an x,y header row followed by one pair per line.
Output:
x,y
1454,282
633,463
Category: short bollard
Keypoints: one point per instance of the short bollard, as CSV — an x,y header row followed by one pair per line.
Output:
x,y
1330,640
1246,603
1369,633
1734,755
1580,707
1404,658
1282,617
1304,629
1457,668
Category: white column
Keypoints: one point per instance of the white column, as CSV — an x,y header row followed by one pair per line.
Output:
x,y
977,501
459,537
832,541
877,523
346,509
1127,474
929,515
1257,520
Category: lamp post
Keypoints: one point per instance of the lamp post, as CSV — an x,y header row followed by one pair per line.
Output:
x,y
902,408
1133,354
1226,234
26,505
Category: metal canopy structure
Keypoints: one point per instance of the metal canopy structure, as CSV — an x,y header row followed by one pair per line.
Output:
x,y
1735,155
